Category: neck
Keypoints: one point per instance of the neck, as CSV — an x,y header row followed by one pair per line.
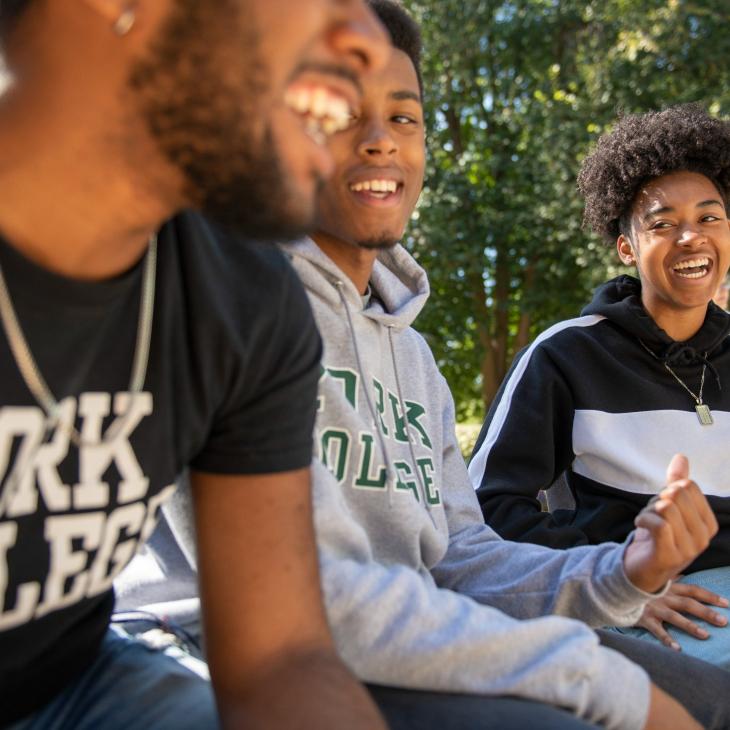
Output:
x,y
83,185
357,263
679,324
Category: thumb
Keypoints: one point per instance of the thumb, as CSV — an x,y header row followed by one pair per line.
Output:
x,y
678,468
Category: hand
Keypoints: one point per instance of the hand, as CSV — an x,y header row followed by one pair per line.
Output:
x,y
682,598
672,530
665,712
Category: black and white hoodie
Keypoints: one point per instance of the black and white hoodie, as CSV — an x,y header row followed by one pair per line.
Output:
x,y
593,399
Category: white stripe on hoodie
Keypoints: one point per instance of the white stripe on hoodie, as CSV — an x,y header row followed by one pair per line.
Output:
x,y
420,593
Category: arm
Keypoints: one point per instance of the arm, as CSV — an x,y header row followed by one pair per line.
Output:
x,y
605,584
394,626
271,656
525,580
524,446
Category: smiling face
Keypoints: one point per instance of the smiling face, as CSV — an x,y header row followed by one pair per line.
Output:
x,y
680,242
379,163
240,95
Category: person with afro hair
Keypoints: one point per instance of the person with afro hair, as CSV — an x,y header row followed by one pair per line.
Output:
x,y
602,401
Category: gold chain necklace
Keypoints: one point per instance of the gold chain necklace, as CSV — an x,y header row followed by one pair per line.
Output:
x,y
704,414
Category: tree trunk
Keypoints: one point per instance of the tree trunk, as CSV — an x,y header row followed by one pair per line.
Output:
x,y
522,338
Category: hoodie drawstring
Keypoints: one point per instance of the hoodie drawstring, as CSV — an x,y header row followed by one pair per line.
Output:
x,y
388,467
680,354
424,494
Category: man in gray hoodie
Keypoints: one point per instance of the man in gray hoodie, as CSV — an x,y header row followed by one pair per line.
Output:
x,y
420,593
450,626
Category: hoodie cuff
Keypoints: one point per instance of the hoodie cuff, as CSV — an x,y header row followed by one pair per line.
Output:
x,y
624,600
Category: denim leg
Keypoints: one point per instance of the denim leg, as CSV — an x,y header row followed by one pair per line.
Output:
x,y
130,686
413,710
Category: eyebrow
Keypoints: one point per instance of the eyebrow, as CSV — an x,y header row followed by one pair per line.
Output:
x,y
405,95
668,209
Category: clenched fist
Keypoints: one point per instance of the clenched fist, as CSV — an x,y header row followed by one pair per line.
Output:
x,y
672,530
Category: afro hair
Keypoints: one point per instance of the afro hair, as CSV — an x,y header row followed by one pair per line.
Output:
x,y
641,147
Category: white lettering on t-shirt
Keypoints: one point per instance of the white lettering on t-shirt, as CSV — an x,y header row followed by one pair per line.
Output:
x,y
97,454
19,495
86,550
67,564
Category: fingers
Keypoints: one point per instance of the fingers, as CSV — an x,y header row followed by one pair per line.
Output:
x,y
677,504
687,514
678,479
673,529
691,499
660,531
690,591
654,626
678,468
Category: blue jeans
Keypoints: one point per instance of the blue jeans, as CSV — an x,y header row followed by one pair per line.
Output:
x,y
131,686
716,649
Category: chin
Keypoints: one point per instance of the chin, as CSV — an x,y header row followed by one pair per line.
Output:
x,y
377,244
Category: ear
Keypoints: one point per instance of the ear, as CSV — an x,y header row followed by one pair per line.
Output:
x,y
119,14
625,250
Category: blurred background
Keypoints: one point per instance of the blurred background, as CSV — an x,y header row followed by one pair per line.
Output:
x,y
515,93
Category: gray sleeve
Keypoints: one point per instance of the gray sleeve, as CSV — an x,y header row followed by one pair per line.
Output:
x,y
524,580
394,626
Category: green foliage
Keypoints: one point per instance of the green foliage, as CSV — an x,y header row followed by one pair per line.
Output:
x,y
515,92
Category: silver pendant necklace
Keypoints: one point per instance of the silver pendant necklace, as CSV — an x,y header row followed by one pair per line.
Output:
x,y
704,414
32,375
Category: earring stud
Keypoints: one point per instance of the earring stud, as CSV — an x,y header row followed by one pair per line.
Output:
x,y
125,22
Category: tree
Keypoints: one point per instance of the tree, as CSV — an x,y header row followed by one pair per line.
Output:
x,y
515,93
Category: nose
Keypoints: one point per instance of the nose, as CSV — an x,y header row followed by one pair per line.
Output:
x,y
690,235
361,38
376,141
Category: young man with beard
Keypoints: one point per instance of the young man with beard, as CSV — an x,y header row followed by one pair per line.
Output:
x,y
134,344
421,594
451,626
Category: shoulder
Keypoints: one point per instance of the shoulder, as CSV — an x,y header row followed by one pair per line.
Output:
x,y
216,256
227,278
566,339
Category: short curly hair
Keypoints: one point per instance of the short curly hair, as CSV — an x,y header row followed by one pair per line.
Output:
x,y
404,31
641,147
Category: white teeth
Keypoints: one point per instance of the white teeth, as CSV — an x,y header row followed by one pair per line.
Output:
x,y
376,186
697,275
691,264
322,107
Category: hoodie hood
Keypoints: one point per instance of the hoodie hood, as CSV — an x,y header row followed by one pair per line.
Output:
x,y
619,300
399,284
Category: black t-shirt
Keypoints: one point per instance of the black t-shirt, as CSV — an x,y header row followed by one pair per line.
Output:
x,y
230,388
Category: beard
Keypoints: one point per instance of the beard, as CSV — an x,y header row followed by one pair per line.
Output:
x,y
207,124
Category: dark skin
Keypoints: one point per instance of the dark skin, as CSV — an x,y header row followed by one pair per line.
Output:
x,y
678,218
386,142
68,121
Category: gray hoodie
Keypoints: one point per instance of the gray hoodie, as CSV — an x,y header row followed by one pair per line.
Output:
x,y
420,593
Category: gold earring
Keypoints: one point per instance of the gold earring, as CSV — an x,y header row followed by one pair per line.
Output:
x,y
125,22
